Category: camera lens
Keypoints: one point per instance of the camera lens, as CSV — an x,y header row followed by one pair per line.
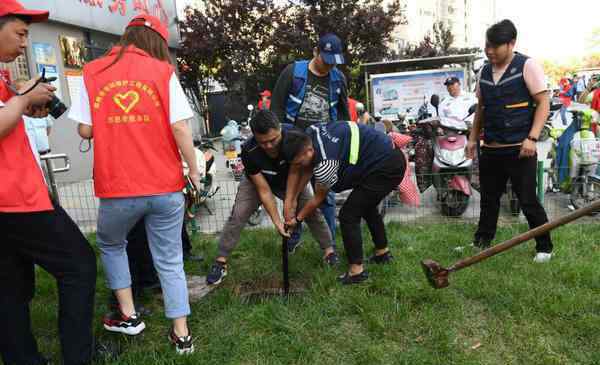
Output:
x,y
56,107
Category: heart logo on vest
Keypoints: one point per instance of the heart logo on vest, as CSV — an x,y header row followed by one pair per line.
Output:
x,y
127,101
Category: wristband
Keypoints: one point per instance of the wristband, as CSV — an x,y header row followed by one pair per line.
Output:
x,y
532,138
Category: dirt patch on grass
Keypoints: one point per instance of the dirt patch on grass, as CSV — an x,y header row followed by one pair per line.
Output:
x,y
268,287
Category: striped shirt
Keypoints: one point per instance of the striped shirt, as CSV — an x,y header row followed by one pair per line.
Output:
x,y
326,173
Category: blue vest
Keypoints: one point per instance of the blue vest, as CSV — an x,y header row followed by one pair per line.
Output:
x,y
296,95
332,141
507,106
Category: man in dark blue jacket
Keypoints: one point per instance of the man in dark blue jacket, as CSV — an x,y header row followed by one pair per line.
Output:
x,y
343,156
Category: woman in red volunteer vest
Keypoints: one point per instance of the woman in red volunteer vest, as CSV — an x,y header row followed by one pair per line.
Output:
x,y
34,230
133,106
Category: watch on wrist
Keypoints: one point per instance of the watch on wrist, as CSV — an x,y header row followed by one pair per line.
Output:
x,y
531,138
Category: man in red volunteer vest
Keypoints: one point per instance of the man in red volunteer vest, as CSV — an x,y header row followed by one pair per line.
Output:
x,y
135,109
33,229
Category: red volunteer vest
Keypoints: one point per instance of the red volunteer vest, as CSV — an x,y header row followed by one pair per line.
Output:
x,y
135,153
22,186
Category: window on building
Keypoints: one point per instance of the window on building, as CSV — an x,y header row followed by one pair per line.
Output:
x,y
95,48
18,69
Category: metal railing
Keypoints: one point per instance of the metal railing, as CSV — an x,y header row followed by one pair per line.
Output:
x,y
79,201
50,170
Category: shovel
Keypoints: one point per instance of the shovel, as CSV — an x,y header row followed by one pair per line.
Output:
x,y
437,275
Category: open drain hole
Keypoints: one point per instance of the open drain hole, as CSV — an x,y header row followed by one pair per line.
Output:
x,y
268,288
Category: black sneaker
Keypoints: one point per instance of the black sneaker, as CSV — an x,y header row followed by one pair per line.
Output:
x,y
118,322
183,345
293,245
481,243
386,258
347,279
216,274
332,259
295,239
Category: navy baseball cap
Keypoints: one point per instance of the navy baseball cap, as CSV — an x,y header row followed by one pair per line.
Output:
x,y
331,49
451,80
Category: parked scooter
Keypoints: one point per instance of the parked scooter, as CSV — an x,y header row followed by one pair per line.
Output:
x,y
451,167
232,148
245,130
584,158
546,146
205,161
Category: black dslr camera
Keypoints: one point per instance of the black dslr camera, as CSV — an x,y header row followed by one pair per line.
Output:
x,y
55,106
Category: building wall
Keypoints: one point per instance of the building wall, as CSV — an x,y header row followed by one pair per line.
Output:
x,y
468,20
64,137
74,18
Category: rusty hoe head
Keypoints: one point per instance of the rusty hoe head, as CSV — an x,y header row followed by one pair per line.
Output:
x,y
435,273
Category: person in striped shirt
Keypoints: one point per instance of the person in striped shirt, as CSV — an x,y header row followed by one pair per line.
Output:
x,y
342,156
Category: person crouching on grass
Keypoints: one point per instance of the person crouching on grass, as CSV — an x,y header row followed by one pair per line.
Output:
x,y
342,156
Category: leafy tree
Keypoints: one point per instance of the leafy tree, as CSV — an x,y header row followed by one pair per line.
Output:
x,y
224,42
592,60
245,44
555,71
443,37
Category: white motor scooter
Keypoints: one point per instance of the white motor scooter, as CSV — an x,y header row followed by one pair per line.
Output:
x,y
451,167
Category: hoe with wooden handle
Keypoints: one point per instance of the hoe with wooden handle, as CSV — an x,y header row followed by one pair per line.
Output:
x,y
438,275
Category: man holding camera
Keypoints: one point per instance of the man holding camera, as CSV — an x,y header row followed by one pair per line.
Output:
x,y
35,231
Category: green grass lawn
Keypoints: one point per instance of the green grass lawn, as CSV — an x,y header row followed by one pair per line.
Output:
x,y
506,310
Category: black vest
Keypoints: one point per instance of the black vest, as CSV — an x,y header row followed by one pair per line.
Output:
x,y
507,106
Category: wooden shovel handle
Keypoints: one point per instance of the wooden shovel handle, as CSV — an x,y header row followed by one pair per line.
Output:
x,y
526,236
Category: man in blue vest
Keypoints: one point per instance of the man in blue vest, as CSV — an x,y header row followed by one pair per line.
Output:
x,y
513,107
309,92
343,156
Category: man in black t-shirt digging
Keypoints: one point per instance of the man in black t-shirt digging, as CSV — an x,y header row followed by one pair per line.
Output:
x,y
266,178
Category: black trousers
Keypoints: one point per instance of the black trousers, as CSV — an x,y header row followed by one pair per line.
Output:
x,y
52,241
363,202
496,167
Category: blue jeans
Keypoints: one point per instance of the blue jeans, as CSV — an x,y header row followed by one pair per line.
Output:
x,y
563,115
328,210
164,220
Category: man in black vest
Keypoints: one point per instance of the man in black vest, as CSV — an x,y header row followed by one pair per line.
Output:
x,y
513,107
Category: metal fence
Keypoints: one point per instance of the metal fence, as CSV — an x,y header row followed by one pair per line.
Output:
x,y
79,201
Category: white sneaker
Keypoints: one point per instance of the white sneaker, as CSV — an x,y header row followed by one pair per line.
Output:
x,y
542,257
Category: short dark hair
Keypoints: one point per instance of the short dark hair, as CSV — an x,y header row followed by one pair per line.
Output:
x,y
11,18
263,121
293,143
501,33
